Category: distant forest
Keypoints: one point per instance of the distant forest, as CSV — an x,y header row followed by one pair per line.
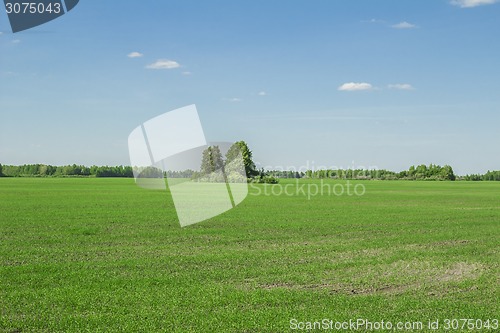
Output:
x,y
421,172
42,170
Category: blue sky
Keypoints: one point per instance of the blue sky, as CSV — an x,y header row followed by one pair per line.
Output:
x,y
384,84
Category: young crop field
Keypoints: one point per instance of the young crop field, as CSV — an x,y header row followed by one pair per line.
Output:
x,y
103,255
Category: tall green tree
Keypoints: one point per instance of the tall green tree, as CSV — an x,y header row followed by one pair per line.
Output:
x,y
246,153
211,160
447,173
1,174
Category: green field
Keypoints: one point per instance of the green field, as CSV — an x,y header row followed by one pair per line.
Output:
x,y
103,255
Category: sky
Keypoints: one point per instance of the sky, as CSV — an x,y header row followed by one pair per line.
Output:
x,y
308,84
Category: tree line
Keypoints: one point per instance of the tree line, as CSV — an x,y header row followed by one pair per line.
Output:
x,y
420,172
43,170
213,160
488,176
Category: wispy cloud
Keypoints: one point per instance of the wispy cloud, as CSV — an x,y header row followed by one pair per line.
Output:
x,y
135,55
353,86
16,41
234,99
472,3
400,25
187,73
262,93
373,20
403,25
401,86
164,64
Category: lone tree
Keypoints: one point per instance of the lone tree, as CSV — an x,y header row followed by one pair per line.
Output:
x,y
246,153
211,160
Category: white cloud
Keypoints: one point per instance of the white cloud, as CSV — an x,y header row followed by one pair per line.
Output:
x,y
135,55
164,64
373,20
16,41
403,25
352,86
472,3
401,86
234,99
262,93
186,73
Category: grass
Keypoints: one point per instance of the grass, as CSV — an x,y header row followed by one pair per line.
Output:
x,y
102,255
